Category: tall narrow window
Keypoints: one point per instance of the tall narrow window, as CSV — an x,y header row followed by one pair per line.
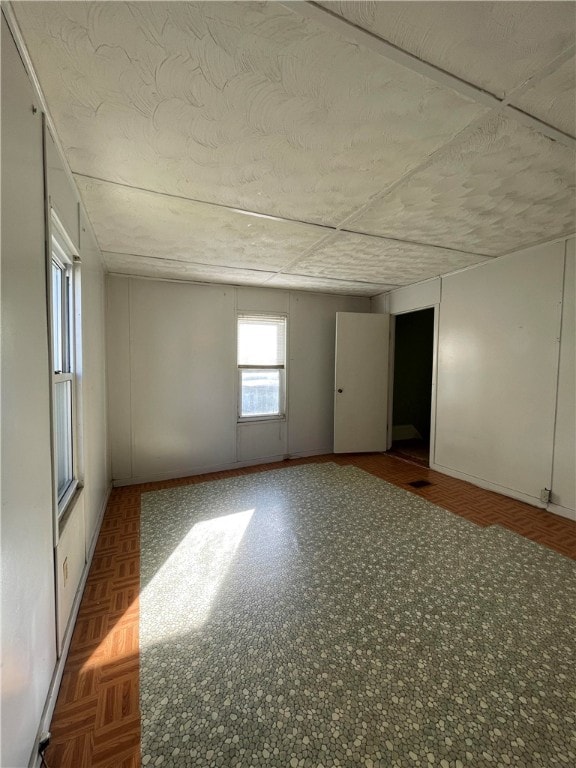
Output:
x,y
261,366
63,378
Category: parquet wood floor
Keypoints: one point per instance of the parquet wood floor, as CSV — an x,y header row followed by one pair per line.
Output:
x,y
96,722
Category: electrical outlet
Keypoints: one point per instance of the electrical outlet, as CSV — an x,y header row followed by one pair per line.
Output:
x,y
545,495
65,570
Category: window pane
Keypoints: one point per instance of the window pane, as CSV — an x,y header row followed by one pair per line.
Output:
x,y
66,334
57,280
260,393
63,429
261,340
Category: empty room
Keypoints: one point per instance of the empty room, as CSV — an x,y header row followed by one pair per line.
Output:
x,y
288,384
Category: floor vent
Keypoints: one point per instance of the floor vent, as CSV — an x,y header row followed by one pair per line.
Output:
x,y
420,483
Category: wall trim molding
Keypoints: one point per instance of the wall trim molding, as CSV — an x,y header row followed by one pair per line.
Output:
x,y
534,501
556,509
196,471
49,706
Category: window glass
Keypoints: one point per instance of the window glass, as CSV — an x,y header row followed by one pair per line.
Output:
x,y
57,279
261,340
260,393
64,375
261,361
63,430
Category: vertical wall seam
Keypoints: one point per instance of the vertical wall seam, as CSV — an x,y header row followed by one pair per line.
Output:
x,y
236,382
558,360
130,368
435,376
287,384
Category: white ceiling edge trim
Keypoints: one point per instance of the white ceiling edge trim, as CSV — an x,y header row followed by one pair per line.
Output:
x,y
349,281
562,239
407,286
200,264
507,255
16,32
538,243
353,32
235,286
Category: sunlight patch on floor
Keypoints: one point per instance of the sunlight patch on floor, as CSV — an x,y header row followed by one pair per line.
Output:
x,y
182,592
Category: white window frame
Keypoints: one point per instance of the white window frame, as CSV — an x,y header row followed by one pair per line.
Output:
x,y
64,255
281,416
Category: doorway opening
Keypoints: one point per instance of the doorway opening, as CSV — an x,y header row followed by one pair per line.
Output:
x,y
412,388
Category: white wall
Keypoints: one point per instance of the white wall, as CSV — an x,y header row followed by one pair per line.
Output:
x,y
173,377
182,380
503,409
497,370
28,609
37,601
96,459
563,483
409,298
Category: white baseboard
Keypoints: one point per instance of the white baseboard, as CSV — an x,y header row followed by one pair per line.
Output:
x,y
481,483
305,454
195,471
54,688
562,511
92,547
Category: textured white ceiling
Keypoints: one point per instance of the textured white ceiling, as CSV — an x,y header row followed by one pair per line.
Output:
x,y
350,256
494,45
325,285
243,104
128,264
553,98
143,223
501,187
183,112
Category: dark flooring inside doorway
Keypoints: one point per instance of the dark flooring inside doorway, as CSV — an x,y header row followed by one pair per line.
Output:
x,y
417,451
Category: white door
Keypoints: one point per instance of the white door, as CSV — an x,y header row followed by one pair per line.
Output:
x,y
361,382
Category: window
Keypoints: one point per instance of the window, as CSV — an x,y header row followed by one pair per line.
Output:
x,y
261,366
63,368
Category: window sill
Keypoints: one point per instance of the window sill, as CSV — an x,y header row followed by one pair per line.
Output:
x,y
72,496
259,419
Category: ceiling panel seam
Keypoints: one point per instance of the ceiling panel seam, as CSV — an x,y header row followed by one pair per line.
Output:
x,y
200,201
497,106
342,226
539,75
431,158
331,229
379,45
183,261
503,108
330,234
346,280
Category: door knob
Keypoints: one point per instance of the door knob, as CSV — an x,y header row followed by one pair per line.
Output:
x,y
340,391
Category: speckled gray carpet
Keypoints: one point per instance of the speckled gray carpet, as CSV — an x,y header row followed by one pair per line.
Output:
x,y
317,616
